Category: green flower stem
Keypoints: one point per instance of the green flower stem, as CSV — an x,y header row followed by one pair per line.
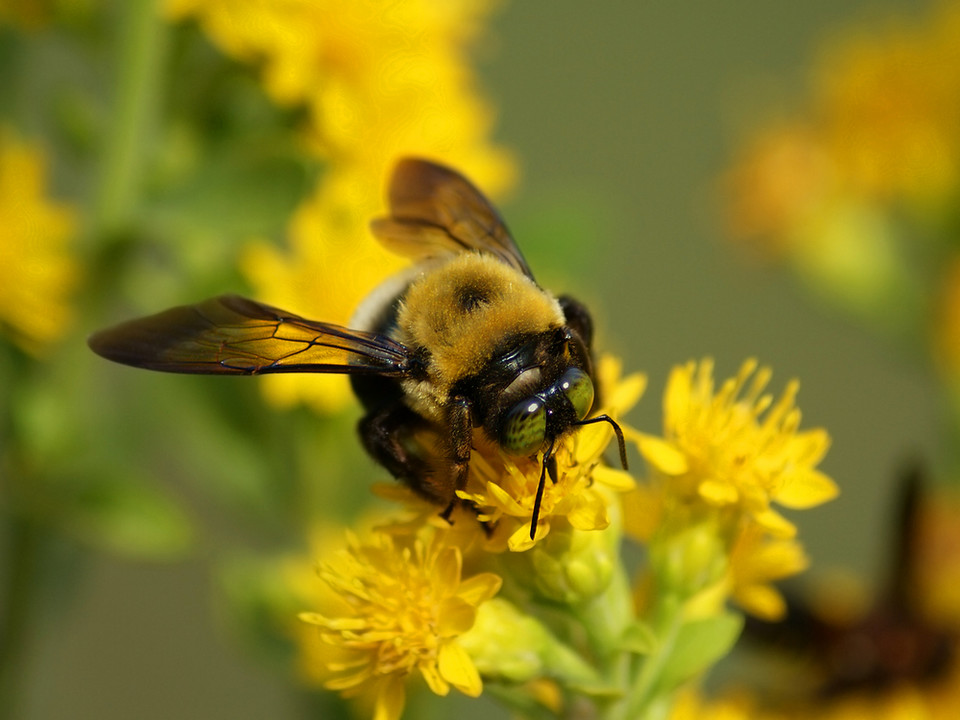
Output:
x,y
668,620
605,618
139,64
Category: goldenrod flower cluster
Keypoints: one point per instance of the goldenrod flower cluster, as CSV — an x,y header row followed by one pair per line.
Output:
x,y
377,81
892,657
405,607
726,456
37,269
858,191
455,601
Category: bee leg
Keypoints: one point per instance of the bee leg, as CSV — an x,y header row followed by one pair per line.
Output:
x,y
390,435
460,420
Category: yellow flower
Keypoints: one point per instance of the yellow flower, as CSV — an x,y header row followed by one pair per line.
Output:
x,y
848,189
776,185
504,489
37,272
938,546
756,562
888,104
332,262
403,605
691,705
378,81
735,451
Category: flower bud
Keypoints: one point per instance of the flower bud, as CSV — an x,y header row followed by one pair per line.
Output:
x,y
507,644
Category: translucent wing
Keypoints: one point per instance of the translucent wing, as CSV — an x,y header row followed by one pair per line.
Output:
x,y
435,210
230,335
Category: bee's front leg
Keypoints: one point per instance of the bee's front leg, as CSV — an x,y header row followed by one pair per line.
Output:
x,y
460,420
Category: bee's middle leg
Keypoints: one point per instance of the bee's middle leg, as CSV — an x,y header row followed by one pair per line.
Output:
x,y
398,439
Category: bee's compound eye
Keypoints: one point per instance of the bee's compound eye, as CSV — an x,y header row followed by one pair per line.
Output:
x,y
524,428
578,388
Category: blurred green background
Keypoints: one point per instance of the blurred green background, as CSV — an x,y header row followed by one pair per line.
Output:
x,y
623,117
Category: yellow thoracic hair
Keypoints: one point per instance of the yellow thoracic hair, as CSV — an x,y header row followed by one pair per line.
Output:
x,y
461,310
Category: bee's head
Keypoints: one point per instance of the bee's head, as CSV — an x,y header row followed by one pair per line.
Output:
x,y
541,389
537,419
535,422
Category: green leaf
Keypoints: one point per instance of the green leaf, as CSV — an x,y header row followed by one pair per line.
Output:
x,y
697,646
639,639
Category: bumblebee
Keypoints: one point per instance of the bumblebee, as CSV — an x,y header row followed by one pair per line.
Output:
x,y
463,343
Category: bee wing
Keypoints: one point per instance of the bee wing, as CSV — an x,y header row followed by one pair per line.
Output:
x,y
435,210
230,335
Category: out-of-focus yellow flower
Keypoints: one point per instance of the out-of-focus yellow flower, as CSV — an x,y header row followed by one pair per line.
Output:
x,y
735,450
889,106
691,705
858,190
330,265
905,702
504,489
402,606
757,561
776,185
936,590
37,272
379,82
881,130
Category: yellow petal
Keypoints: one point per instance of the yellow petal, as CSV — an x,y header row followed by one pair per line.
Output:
x,y
762,601
390,698
435,681
479,588
520,540
504,500
642,510
627,393
775,524
593,440
348,682
458,669
718,493
809,447
447,568
661,454
614,478
806,489
589,513
676,398
455,617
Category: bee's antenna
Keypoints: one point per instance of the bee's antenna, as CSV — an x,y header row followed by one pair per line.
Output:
x,y
548,456
543,479
616,429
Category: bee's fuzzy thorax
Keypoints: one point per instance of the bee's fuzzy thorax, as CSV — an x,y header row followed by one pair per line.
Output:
x,y
461,311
